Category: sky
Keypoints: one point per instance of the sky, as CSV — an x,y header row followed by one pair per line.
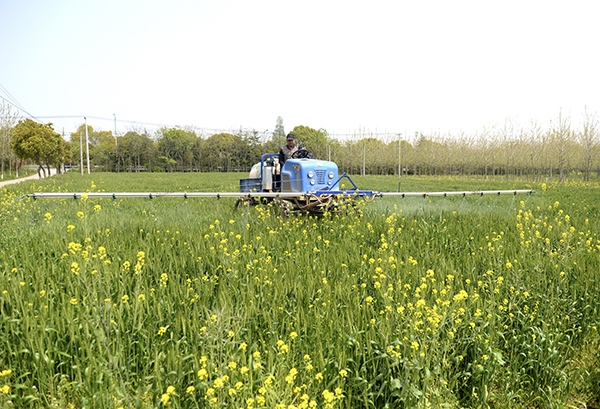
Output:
x,y
349,67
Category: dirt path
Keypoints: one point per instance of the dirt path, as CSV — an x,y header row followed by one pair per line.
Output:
x,y
31,177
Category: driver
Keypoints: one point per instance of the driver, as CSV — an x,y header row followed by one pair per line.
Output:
x,y
288,150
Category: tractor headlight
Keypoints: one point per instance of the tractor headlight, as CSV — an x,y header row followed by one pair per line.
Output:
x,y
312,181
330,175
310,174
329,182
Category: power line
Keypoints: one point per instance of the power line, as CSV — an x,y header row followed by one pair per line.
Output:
x,y
13,101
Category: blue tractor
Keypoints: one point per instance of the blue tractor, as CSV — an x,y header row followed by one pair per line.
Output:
x,y
301,184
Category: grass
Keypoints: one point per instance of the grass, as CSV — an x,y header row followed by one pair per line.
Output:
x,y
436,302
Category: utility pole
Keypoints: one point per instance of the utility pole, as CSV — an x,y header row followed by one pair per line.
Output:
x,y
81,153
87,146
399,157
116,143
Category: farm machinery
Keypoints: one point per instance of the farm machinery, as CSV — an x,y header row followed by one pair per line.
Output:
x,y
302,184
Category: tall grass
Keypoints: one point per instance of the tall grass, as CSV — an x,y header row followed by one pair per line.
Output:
x,y
438,302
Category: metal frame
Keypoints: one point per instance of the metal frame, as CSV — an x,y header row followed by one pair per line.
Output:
x,y
282,195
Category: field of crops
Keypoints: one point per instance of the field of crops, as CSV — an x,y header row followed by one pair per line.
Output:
x,y
188,303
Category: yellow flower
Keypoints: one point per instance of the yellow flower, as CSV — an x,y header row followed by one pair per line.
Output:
x,y
293,335
202,374
73,301
283,348
165,398
162,331
461,296
171,390
344,373
291,376
190,389
243,346
5,389
328,396
5,372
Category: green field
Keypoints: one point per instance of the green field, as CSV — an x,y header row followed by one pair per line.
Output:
x,y
489,301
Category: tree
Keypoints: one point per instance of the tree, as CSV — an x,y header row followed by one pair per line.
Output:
x,y
277,139
219,152
39,143
430,156
8,119
136,150
174,147
588,138
103,150
561,136
316,141
279,132
250,149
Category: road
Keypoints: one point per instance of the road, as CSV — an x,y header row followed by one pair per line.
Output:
x,y
31,177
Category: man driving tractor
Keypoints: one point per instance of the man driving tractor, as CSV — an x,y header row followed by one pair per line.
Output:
x,y
288,150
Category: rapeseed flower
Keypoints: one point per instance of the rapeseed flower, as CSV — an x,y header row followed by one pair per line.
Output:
x,y
291,377
203,374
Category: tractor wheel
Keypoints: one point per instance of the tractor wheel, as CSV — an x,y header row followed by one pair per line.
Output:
x,y
284,207
247,201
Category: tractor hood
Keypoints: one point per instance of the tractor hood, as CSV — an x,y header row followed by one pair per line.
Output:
x,y
305,175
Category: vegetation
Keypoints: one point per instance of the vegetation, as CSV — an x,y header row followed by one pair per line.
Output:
x,y
559,149
439,302
40,144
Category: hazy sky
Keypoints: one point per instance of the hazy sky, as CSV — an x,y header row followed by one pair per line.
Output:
x,y
345,66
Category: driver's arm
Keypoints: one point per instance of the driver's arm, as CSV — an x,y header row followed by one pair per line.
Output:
x,y
281,157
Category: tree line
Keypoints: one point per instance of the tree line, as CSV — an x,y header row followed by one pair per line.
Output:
x,y
509,150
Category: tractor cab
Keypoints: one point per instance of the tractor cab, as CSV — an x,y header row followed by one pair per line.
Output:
x,y
300,174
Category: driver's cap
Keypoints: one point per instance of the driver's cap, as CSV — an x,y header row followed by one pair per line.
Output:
x,y
291,137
